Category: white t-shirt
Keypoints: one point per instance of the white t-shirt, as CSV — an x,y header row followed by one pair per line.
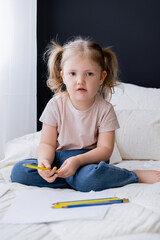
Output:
x,y
78,129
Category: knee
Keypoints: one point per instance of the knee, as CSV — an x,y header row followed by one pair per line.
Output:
x,y
20,174
16,172
86,185
89,178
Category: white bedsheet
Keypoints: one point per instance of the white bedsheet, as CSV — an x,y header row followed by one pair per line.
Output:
x,y
139,219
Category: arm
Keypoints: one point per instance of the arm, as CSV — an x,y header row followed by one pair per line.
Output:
x,y
102,152
46,151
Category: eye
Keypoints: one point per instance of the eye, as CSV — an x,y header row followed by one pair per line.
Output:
x,y
90,74
72,74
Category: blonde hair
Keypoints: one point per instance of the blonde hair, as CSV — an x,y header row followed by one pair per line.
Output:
x,y
104,57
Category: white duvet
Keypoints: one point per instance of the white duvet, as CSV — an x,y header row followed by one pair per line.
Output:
x,y
139,219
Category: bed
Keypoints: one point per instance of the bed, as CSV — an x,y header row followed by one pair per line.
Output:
x,y
137,146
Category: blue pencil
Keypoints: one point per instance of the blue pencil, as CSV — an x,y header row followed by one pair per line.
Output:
x,y
90,204
93,204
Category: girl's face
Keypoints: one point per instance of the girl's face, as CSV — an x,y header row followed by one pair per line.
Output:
x,y
82,77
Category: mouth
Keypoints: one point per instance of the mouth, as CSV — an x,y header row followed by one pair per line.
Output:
x,y
81,89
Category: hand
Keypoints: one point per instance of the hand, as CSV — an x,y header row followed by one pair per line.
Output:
x,y
48,175
69,167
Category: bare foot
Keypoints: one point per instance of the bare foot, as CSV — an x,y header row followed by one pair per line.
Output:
x,y
148,176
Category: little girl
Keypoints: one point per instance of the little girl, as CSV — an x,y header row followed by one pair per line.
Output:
x,y
79,126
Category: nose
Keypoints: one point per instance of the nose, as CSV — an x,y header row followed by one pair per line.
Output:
x,y
80,79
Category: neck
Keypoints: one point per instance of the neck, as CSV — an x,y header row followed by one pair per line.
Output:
x,y
82,105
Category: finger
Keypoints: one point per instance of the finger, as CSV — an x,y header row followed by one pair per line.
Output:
x,y
45,173
45,164
48,175
63,173
52,178
62,168
52,171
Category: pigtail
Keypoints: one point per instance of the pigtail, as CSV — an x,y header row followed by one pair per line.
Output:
x,y
54,54
111,67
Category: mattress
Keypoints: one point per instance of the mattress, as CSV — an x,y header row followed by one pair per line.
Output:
x,y
138,219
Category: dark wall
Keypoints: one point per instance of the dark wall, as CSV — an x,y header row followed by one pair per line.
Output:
x,y
132,28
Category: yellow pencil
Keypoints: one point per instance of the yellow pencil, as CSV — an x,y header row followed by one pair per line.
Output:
x,y
36,167
86,201
90,202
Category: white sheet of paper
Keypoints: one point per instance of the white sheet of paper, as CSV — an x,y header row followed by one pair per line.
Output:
x,y
34,206
3,188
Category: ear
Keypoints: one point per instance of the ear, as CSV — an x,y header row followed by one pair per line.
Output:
x,y
62,75
103,76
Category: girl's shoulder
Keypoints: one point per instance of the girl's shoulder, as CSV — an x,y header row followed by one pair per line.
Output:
x,y
103,103
58,99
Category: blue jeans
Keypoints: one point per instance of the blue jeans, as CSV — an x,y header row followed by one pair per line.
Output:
x,y
94,177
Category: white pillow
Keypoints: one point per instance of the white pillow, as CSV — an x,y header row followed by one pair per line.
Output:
x,y
21,148
115,157
138,112
129,96
26,146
